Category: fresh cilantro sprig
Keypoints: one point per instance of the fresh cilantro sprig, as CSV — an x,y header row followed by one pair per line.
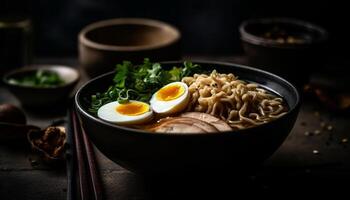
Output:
x,y
40,78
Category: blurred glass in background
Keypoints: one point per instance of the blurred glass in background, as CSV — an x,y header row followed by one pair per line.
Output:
x,y
15,42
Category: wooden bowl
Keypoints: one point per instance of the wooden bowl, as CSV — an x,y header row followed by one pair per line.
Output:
x,y
105,43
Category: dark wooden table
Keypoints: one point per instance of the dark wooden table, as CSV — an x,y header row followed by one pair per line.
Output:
x,y
308,161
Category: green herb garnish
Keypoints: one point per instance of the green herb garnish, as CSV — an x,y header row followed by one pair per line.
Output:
x,y
40,78
139,82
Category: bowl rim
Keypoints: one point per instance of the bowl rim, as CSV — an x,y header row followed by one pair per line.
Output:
x,y
257,40
147,133
131,21
30,68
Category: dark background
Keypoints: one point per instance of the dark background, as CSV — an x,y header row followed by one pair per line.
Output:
x,y
208,26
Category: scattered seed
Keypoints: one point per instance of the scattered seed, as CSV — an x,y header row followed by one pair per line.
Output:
x,y
307,133
315,152
344,140
329,127
317,132
307,87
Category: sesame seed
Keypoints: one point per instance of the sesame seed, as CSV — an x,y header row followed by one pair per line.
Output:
x,y
322,124
329,127
317,132
315,152
344,140
307,133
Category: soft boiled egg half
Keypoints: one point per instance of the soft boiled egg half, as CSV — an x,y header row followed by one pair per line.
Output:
x,y
171,98
133,112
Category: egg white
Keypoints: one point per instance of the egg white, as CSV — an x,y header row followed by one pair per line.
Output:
x,y
172,106
109,113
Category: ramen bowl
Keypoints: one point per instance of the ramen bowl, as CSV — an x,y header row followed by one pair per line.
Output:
x,y
142,151
103,44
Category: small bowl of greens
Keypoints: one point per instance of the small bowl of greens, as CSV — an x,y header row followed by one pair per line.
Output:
x,y
42,85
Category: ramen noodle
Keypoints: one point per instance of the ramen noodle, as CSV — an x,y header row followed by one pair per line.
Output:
x,y
240,104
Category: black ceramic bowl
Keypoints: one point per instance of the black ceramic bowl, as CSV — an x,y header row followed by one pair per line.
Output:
x,y
34,97
138,150
288,47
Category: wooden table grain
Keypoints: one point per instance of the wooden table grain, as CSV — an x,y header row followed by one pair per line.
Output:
x,y
306,162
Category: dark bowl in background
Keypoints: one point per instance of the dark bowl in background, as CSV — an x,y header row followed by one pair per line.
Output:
x,y
105,43
293,61
142,151
39,97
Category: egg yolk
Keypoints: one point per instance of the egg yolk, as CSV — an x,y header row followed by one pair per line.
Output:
x,y
170,92
132,108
